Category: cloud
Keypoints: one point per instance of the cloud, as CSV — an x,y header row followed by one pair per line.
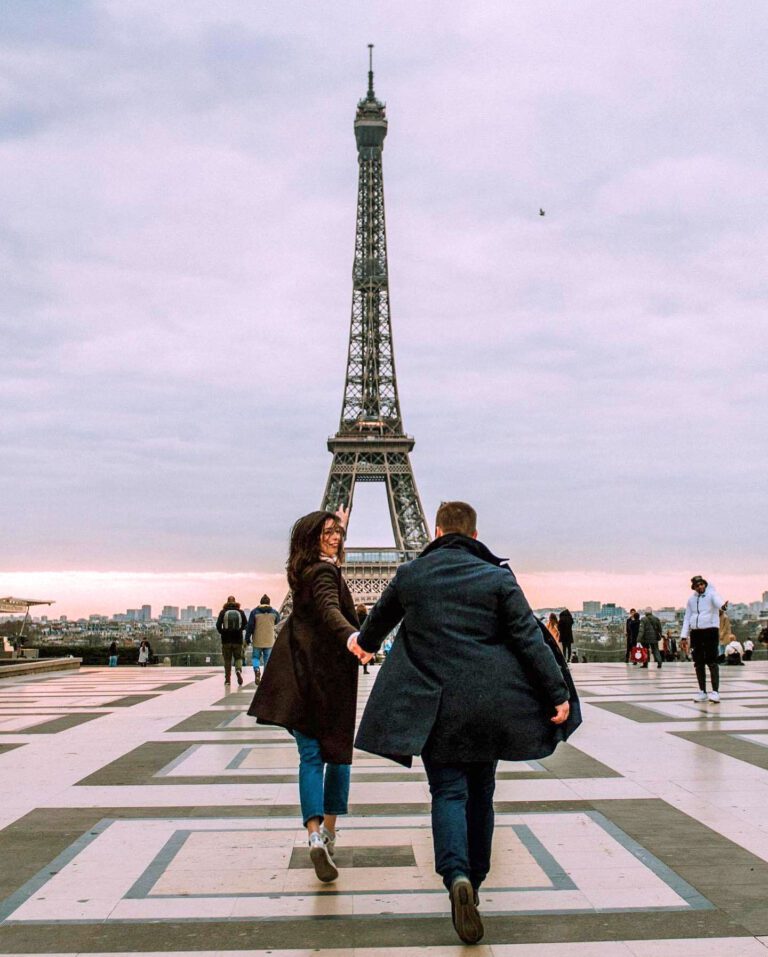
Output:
x,y
178,192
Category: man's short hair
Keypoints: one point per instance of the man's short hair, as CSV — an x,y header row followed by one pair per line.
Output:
x,y
456,517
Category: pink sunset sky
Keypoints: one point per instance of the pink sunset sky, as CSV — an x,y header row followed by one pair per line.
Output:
x,y
178,186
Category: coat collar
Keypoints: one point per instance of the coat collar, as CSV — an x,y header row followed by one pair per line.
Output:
x,y
466,544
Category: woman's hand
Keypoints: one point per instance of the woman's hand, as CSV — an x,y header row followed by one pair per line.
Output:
x,y
561,713
363,656
343,516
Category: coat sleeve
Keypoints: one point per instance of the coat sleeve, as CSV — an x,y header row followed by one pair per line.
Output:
x,y
685,630
219,621
250,627
385,615
325,593
522,635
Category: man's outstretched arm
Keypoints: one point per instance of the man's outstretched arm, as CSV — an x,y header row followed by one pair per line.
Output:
x,y
385,615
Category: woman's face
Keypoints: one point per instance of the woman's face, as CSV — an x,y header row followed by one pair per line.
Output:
x,y
330,539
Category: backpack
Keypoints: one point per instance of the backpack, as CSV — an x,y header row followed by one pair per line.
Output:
x,y
231,620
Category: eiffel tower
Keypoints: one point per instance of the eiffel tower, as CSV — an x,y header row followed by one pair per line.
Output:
x,y
371,444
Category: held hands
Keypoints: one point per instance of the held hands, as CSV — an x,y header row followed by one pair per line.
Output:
x,y
561,713
363,656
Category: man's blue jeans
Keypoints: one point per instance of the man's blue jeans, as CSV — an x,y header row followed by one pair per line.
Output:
x,y
323,788
462,818
260,654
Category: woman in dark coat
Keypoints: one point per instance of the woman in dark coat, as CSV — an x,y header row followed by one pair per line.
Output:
x,y
565,626
310,687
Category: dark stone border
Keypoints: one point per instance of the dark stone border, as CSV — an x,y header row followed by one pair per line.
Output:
x,y
731,878
5,748
640,715
139,767
725,743
63,723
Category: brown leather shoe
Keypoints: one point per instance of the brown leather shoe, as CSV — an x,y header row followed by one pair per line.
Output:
x,y
466,919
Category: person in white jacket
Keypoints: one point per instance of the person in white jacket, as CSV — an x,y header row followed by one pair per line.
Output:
x,y
702,623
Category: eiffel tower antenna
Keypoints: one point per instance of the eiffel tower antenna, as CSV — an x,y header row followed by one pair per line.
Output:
x,y
371,444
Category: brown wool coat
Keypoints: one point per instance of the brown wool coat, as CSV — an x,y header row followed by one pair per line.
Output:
x,y
310,683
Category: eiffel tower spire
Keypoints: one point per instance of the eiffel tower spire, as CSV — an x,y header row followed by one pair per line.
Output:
x,y
371,444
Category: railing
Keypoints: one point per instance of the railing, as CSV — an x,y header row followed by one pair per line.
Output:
x,y
378,556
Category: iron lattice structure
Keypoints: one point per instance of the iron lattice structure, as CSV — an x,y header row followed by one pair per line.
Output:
x,y
371,444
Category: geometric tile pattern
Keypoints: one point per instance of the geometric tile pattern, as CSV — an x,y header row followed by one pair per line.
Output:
x,y
141,810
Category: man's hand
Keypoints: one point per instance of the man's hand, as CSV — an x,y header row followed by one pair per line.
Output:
x,y
343,516
561,713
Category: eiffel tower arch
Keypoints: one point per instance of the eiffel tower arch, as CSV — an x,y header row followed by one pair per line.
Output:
x,y
371,444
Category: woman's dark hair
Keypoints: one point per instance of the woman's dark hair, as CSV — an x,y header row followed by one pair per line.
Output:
x,y
305,545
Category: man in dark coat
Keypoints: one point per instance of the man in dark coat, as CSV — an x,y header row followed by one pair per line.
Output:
x,y
632,629
230,625
565,627
470,680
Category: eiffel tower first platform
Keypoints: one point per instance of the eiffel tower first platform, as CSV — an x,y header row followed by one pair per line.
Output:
x,y
371,444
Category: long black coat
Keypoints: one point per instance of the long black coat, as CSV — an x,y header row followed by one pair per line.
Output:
x,y
310,683
469,671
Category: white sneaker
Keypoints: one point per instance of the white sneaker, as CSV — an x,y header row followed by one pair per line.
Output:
x,y
714,697
329,839
700,696
326,870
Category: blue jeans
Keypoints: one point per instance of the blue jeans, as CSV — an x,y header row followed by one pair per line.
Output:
x,y
462,818
258,654
323,788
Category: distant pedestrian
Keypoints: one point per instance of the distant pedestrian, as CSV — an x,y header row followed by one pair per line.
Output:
x,y
734,651
231,625
631,629
261,634
702,623
310,687
565,627
649,636
749,648
144,652
552,626
113,655
362,614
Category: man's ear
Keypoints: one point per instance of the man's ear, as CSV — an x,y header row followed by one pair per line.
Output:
x,y
474,534
438,532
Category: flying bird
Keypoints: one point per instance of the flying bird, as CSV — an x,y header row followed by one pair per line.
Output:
x,y
541,212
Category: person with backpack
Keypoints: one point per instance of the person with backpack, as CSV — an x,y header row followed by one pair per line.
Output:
x,y
261,634
649,636
230,625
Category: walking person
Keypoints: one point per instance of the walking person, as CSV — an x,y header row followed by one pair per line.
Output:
x,y
112,653
749,648
144,652
632,629
472,678
260,633
565,627
230,625
649,636
702,623
310,687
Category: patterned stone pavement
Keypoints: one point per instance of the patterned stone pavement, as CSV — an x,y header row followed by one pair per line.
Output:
x,y
141,811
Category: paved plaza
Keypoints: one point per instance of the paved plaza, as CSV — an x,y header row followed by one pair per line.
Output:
x,y
142,811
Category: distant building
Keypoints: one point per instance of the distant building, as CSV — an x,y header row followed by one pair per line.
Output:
x,y
591,607
169,613
146,613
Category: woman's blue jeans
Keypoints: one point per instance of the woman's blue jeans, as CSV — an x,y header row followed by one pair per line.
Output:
x,y
323,788
260,655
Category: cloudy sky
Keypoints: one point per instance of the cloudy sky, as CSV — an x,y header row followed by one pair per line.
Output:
x,y
177,194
